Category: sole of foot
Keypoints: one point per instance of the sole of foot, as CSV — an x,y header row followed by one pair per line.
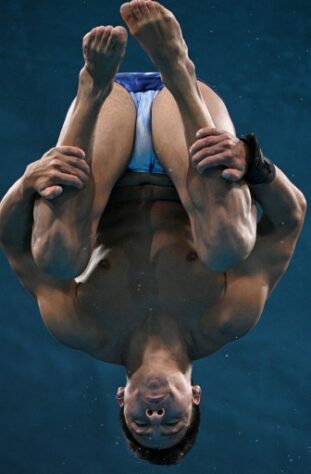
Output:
x,y
103,50
159,33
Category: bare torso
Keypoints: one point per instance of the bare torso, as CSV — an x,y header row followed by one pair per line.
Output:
x,y
149,270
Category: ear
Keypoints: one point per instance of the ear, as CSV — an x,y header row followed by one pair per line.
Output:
x,y
120,396
196,394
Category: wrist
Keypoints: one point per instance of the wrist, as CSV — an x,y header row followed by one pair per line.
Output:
x,y
260,169
26,183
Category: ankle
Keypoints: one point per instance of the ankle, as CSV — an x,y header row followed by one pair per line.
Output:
x,y
90,89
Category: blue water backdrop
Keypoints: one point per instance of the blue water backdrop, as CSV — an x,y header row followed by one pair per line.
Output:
x,y
58,414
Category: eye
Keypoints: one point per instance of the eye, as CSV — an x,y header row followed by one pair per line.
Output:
x,y
172,423
141,424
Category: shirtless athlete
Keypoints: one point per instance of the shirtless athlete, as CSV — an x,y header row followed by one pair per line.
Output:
x,y
148,257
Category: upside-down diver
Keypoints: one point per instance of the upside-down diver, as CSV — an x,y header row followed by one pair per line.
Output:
x,y
138,235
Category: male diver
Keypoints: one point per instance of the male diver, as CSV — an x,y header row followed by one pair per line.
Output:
x,y
137,234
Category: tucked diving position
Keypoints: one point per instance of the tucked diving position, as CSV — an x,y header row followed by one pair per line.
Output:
x,y
138,233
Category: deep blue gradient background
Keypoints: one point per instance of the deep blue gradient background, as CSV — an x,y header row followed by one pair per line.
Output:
x,y
57,409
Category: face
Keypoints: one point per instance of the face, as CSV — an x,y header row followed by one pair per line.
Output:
x,y
158,408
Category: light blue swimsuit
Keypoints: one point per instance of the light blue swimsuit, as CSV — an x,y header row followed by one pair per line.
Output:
x,y
143,88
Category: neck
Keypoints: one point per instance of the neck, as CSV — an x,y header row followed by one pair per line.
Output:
x,y
158,346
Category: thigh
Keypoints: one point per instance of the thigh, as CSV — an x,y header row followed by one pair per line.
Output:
x,y
168,134
221,213
63,227
112,144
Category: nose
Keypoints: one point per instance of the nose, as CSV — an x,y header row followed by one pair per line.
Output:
x,y
155,415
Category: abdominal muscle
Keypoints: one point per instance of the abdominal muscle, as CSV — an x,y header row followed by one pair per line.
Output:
x,y
144,266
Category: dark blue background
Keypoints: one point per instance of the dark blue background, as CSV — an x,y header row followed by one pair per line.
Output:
x,y
57,407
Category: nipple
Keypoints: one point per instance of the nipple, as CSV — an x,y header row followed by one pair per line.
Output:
x,y
105,263
191,256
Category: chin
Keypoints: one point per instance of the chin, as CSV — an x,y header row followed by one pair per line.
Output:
x,y
155,382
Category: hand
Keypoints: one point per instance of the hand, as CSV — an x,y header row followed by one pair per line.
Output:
x,y
216,148
60,166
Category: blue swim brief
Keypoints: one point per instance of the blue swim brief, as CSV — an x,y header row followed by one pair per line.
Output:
x,y
143,88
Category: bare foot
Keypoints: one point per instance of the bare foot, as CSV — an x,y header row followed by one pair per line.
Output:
x,y
159,33
103,50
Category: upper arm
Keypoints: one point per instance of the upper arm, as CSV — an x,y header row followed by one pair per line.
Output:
x,y
30,275
250,283
272,252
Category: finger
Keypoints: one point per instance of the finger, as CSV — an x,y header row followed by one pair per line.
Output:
x,y
78,163
51,192
71,150
67,180
212,162
209,151
76,168
232,174
208,131
206,142
74,172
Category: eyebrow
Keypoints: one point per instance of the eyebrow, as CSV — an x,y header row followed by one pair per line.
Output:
x,y
164,435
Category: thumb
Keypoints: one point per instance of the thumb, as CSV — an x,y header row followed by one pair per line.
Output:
x,y
231,174
51,192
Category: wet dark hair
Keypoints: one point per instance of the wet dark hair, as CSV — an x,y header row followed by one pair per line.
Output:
x,y
167,456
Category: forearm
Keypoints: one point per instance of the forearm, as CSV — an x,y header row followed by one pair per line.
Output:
x,y
282,202
16,210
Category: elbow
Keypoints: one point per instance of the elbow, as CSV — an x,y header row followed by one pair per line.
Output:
x,y
58,260
301,209
297,216
302,204
227,248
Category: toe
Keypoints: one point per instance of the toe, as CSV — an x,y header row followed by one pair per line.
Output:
x,y
125,10
137,9
111,41
116,39
121,33
103,36
144,10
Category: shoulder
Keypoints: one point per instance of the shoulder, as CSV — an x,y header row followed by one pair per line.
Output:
x,y
271,255
243,303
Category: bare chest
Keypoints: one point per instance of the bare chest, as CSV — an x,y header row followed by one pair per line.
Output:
x,y
145,267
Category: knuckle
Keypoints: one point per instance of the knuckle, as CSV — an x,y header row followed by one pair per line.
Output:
x,y
54,162
75,161
199,156
207,140
48,153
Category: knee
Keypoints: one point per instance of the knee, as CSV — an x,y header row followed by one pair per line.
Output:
x,y
226,245
59,255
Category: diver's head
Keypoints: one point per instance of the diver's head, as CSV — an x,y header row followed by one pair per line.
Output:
x,y
157,408
167,456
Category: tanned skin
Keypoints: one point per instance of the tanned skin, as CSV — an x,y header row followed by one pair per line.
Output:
x,y
129,276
